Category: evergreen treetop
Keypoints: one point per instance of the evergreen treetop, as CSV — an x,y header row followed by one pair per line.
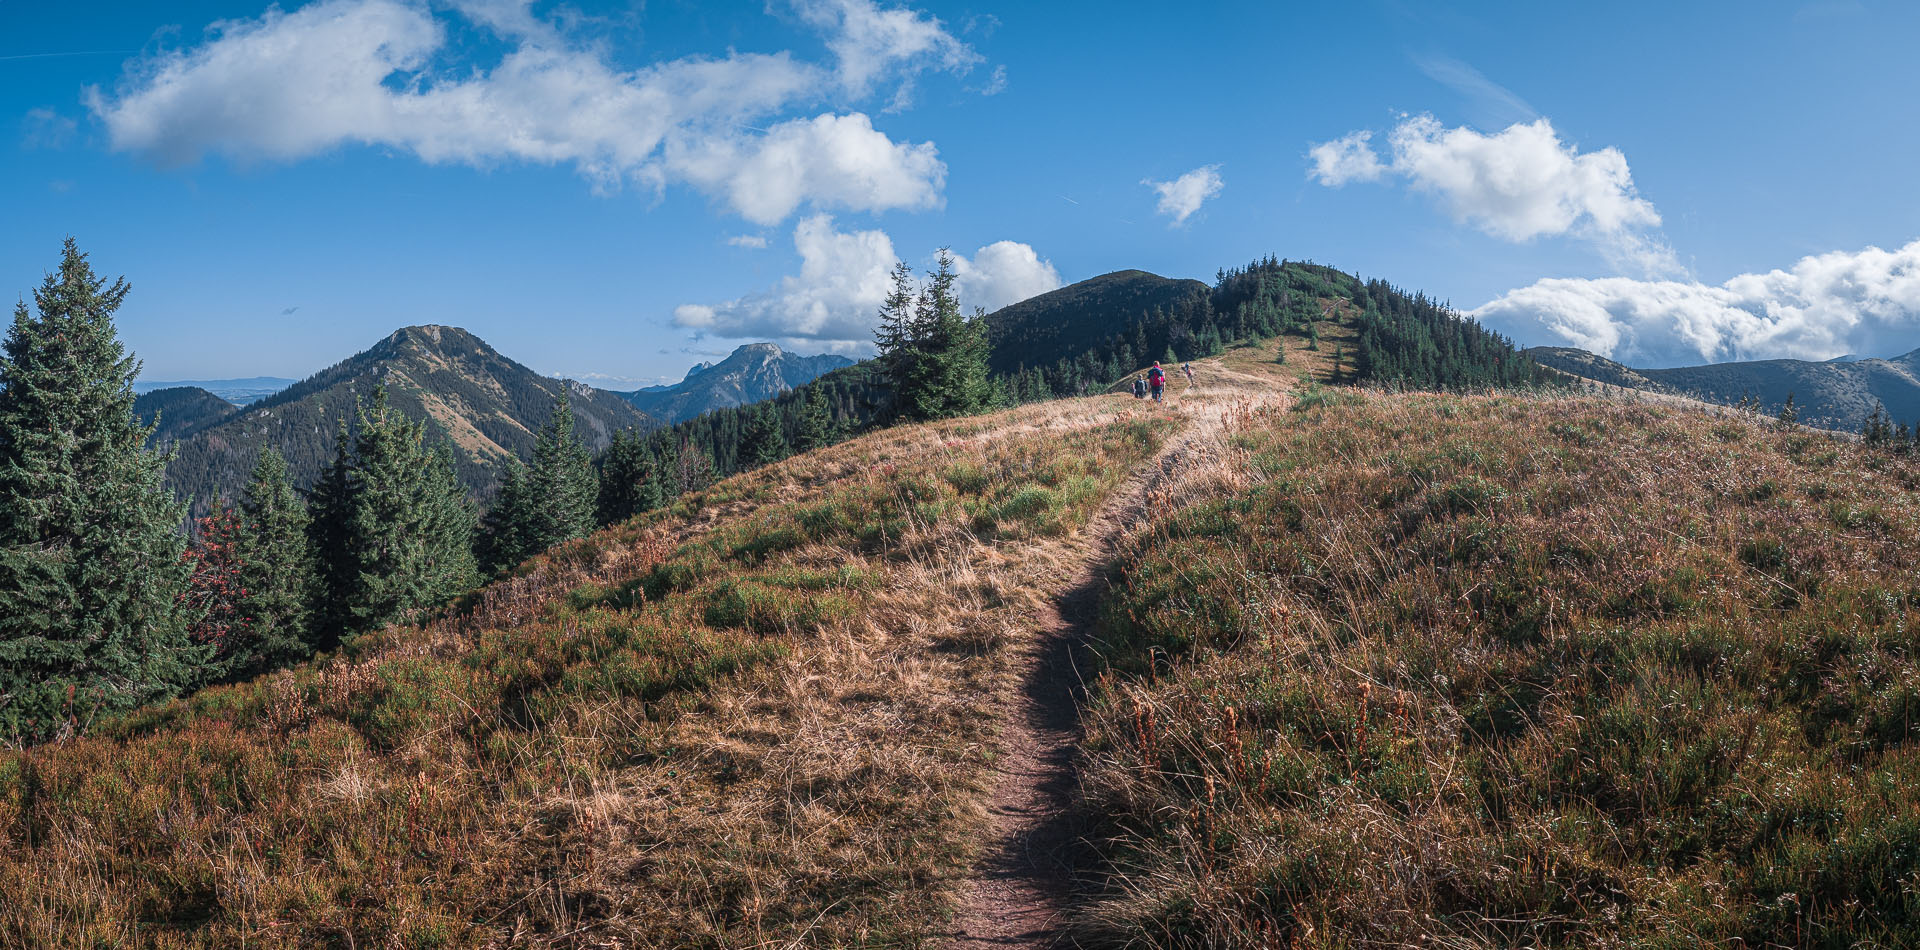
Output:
x,y
92,578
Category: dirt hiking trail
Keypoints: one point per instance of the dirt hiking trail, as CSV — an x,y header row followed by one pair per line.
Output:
x,y
1021,887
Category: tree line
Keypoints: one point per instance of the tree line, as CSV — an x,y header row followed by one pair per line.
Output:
x,y
106,604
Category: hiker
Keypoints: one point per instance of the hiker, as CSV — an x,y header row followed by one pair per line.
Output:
x,y
1139,387
1187,368
1157,380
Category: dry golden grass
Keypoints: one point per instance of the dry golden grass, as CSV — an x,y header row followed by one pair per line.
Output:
x,y
756,719
1514,671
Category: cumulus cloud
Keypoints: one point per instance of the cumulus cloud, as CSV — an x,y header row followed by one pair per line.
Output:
x,y
836,161
845,275
1518,184
1824,306
1347,158
1002,273
288,85
1184,195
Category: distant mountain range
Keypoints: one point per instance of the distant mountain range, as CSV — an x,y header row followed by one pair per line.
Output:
x,y
752,373
240,392
1836,394
487,405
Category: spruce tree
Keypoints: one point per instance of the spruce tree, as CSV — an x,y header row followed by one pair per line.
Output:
x,y
816,421
92,578
410,527
949,374
329,537
506,531
765,441
561,482
629,479
898,336
276,567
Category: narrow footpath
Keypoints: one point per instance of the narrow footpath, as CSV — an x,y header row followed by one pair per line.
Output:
x,y
1019,893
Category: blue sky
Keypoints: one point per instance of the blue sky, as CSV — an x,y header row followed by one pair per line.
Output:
x,y
614,191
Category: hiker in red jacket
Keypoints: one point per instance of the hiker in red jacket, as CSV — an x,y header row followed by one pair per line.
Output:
x,y
1157,380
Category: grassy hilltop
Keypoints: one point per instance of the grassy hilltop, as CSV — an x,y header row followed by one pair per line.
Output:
x,y
1370,669
1501,671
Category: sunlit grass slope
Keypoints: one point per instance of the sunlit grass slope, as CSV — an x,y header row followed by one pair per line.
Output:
x,y
756,718
1487,672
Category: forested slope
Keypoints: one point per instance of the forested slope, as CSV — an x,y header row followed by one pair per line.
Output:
x,y
488,406
181,410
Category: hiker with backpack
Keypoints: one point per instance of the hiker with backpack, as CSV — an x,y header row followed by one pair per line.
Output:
x,y
1187,368
1139,387
1157,380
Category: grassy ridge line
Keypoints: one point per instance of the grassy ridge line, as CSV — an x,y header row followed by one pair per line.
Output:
x,y
1476,671
742,719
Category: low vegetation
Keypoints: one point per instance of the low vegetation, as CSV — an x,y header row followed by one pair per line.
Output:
x,y
755,717
1504,671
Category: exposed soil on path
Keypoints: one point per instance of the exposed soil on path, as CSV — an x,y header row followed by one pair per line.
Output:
x,y
1021,888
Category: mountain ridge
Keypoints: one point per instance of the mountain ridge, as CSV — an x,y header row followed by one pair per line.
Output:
x,y
752,373
1832,394
486,404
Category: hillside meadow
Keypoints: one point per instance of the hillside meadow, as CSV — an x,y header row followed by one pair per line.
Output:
x,y
1486,671
757,717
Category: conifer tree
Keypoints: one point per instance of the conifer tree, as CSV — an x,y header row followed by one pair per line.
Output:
x,y
506,530
765,441
629,479
410,527
816,421
276,569
561,483
329,537
92,616
949,373
897,335
1789,413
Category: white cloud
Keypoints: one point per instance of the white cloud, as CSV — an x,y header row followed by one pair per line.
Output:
x,y
843,278
1826,305
1184,195
1347,158
1518,184
1002,273
837,161
845,275
754,241
341,72
870,42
